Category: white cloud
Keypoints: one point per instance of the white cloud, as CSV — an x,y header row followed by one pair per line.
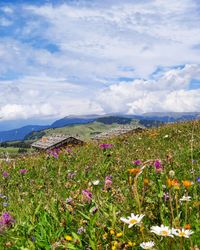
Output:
x,y
168,92
95,44
43,97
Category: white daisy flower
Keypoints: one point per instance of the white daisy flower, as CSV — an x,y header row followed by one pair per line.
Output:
x,y
132,220
95,183
182,232
185,198
147,245
162,231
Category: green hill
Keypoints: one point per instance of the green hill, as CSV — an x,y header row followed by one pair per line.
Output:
x,y
84,131
75,199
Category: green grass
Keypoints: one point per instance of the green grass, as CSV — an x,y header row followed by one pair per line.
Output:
x,y
37,199
84,131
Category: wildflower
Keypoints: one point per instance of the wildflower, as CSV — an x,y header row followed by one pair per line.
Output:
x,y
185,198
6,219
69,200
131,244
118,235
105,146
171,173
134,170
68,150
157,164
108,182
95,183
5,174
93,210
32,238
87,196
198,179
114,246
112,232
71,175
23,171
146,182
5,204
162,231
147,245
173,183
187,226
105,236
68,238
166,196
186,183
81,230
182,232
132,220
137,162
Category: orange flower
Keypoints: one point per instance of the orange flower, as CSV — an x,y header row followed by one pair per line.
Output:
x,y
187,184
187,226
173,183
146,182
134,170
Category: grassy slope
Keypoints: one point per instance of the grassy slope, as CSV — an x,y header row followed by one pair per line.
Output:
x,y
37,199
84,131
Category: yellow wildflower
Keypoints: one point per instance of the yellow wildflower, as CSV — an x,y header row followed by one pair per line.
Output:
x,y
118,235
112,232
131,244
68,238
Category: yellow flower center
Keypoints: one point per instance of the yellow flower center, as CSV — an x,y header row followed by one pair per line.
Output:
x,y
182,234
164,233
133,221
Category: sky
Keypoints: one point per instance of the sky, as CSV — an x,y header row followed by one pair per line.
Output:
x,y
77,57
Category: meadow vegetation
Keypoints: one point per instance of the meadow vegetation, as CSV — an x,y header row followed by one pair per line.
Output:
x,y
138,191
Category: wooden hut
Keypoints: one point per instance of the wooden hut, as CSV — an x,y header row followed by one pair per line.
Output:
x,y
56,141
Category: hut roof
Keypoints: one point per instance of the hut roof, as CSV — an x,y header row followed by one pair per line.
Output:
x,y
48,142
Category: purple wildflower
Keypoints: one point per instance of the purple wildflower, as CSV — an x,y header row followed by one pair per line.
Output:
x,y
105,146
158,166
69,200
5,174
166,196
198,179
6,219
108,182
137,162
86,196
81,230
54,153
23,171
68,150
94,210
71,175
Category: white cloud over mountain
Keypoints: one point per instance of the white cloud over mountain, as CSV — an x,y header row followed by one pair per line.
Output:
x,y
98,57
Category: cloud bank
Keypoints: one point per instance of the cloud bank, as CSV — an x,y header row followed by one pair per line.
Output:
x,y
82,57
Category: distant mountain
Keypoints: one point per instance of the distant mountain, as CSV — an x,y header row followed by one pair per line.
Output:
x,y
19,134
66,121
114,119
147,119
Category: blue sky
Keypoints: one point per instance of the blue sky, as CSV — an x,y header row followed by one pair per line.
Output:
x,y
83,57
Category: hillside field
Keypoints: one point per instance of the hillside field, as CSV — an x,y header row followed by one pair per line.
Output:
x,y
113,194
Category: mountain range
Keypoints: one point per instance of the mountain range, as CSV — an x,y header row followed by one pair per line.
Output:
x,y
145,119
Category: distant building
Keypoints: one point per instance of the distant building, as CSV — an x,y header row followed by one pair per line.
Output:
x,y
121,130
56,141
